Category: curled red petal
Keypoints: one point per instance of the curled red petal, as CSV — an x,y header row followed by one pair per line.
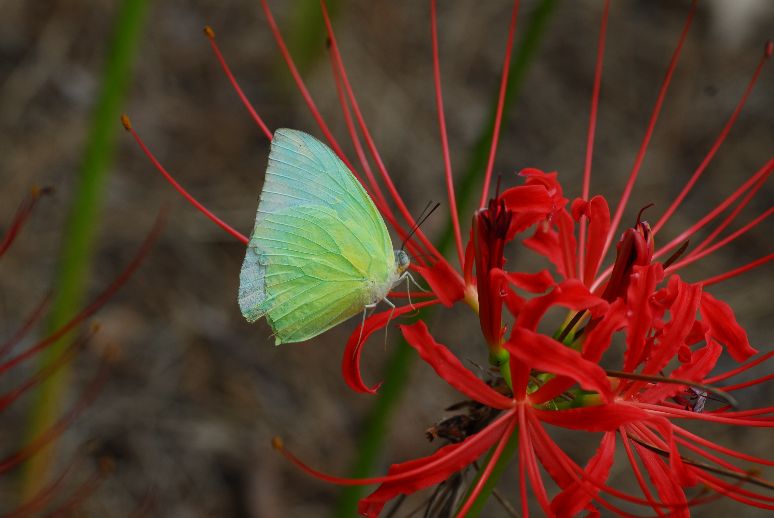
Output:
x,y
445,282
599,225
546,354
570,294
528,198
664,482
640,311
724,328
449,367
513,302
531,282
545,241
600,418
350,363
683,311
550,180
700,364
434,468
598,339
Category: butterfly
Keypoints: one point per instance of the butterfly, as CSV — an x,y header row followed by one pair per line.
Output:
x,y
320,251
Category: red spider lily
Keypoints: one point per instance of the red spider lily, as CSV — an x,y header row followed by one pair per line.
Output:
x,y
54,490
669,351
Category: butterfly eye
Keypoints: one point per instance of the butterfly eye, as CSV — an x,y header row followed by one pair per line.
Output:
x,y
402,261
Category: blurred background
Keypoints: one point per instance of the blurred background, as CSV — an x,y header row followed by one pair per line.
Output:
x,y
197,393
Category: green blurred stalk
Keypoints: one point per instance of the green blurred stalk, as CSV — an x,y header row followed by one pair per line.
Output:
x,y
307,34
371,442
78,238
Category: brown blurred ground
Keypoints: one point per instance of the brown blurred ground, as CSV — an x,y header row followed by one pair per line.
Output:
x,y
198,393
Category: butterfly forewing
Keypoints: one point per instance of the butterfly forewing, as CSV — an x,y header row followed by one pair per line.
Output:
x,y
319,248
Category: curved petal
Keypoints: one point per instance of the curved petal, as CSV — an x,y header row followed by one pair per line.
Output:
x,y
598,338
683,311
724,328
445,282
531,282
350,363
600,418
701,363
570,294
598,213
641,312
546,354
448,367
434,468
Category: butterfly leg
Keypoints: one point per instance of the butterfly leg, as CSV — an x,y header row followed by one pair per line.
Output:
x,y
362,322
389,319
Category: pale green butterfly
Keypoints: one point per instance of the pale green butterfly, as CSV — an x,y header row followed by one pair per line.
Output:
x,y
320,252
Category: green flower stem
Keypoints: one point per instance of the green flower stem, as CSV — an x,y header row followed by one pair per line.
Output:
x,y
77,245
372,440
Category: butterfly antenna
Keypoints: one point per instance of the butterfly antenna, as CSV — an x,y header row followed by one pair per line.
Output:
x,y
426,212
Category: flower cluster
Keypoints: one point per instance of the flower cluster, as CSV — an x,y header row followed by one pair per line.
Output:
x,y
672,333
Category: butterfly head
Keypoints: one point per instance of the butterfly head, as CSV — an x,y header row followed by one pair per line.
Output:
x,y
402,261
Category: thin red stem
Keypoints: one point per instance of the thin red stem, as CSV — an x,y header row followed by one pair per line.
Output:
x,y
500,106
484,475
179,188
45,372
738,271
444,136
242,97
638,472
591,133
100,301
729,219
20,218
53,432
715,146
759,176
484,435
42,497
695,257
372,186
718,448
369,140
25,328
686,414
742,368
301,86
649,132
750,383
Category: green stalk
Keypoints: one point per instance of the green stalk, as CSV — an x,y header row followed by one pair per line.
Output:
x,y
372,440
78,238
307,34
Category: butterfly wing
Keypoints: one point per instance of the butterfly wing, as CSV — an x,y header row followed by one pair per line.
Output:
x,y
319,251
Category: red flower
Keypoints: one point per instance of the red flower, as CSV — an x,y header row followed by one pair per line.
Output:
x,y
669,351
